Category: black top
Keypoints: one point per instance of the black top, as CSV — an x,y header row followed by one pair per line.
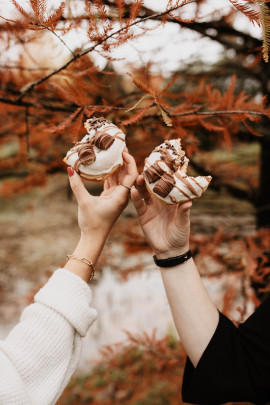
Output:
x,y
235,366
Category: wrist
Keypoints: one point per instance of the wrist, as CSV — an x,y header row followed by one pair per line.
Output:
x,y
94,236
90,246
173,261
160,255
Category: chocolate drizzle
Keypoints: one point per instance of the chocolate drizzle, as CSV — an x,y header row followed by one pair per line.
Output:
x,y
166,157
153,173
168,172
165,185
85,150
167,152
186,183
101,139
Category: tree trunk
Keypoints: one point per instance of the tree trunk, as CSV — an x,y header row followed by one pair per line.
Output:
x,y
263,202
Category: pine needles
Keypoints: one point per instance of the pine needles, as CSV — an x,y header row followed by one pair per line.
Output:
x,y
258,14
265,22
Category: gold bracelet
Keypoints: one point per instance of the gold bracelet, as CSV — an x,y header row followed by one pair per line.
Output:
x,y
86,261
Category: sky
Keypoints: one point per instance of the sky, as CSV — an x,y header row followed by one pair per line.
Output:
x,y
167,47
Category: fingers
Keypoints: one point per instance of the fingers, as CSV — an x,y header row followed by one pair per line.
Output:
x,y
140,196
127,174
112,180
142,189
139,204
185,207
129,171
77,186
183,212
106,185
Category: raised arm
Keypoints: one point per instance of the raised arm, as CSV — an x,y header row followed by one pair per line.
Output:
x,y
41,353
167,228
97,215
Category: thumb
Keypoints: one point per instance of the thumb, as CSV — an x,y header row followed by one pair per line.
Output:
x,y
183,214
77,186
138,203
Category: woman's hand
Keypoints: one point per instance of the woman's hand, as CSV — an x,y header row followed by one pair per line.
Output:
x,y
166,227
96,215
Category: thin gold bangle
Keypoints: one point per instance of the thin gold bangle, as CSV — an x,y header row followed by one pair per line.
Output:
x,y
86,261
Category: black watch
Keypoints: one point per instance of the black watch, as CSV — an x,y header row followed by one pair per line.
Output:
x,y
173,261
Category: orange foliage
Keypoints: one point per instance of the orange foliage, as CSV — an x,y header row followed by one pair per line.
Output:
x,y
117,378
45,107
143,371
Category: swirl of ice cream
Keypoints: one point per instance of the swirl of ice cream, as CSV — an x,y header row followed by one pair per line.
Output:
x,y
99,153
166,178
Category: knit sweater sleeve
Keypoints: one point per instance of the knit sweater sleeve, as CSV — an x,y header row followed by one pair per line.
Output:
x,y
40,354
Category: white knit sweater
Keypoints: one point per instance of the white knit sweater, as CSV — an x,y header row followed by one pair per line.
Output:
x,y
40,354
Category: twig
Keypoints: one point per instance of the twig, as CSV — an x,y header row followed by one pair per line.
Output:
x,y
20,103
24,68
60,39
221,112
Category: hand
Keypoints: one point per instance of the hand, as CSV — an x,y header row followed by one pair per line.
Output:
x,y
166,227
96,215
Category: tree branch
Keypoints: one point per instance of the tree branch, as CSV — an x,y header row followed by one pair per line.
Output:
x,y
71,109
222,112
60,39
17,67
222,28
20,103
78,55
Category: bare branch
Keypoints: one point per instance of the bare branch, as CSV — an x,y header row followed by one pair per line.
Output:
x,y
17,67
60,39
225,112
71,108
52,107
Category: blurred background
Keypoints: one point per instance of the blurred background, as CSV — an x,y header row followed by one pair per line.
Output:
x,y
159,70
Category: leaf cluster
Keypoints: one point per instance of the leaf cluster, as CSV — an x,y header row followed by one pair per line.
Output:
x,y
43,108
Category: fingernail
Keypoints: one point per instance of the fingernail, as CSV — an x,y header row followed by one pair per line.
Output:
x,y
70,171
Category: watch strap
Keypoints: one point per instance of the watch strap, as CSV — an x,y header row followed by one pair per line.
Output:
x,y
173,261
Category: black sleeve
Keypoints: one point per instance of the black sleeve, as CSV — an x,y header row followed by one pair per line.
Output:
x,y
235,366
